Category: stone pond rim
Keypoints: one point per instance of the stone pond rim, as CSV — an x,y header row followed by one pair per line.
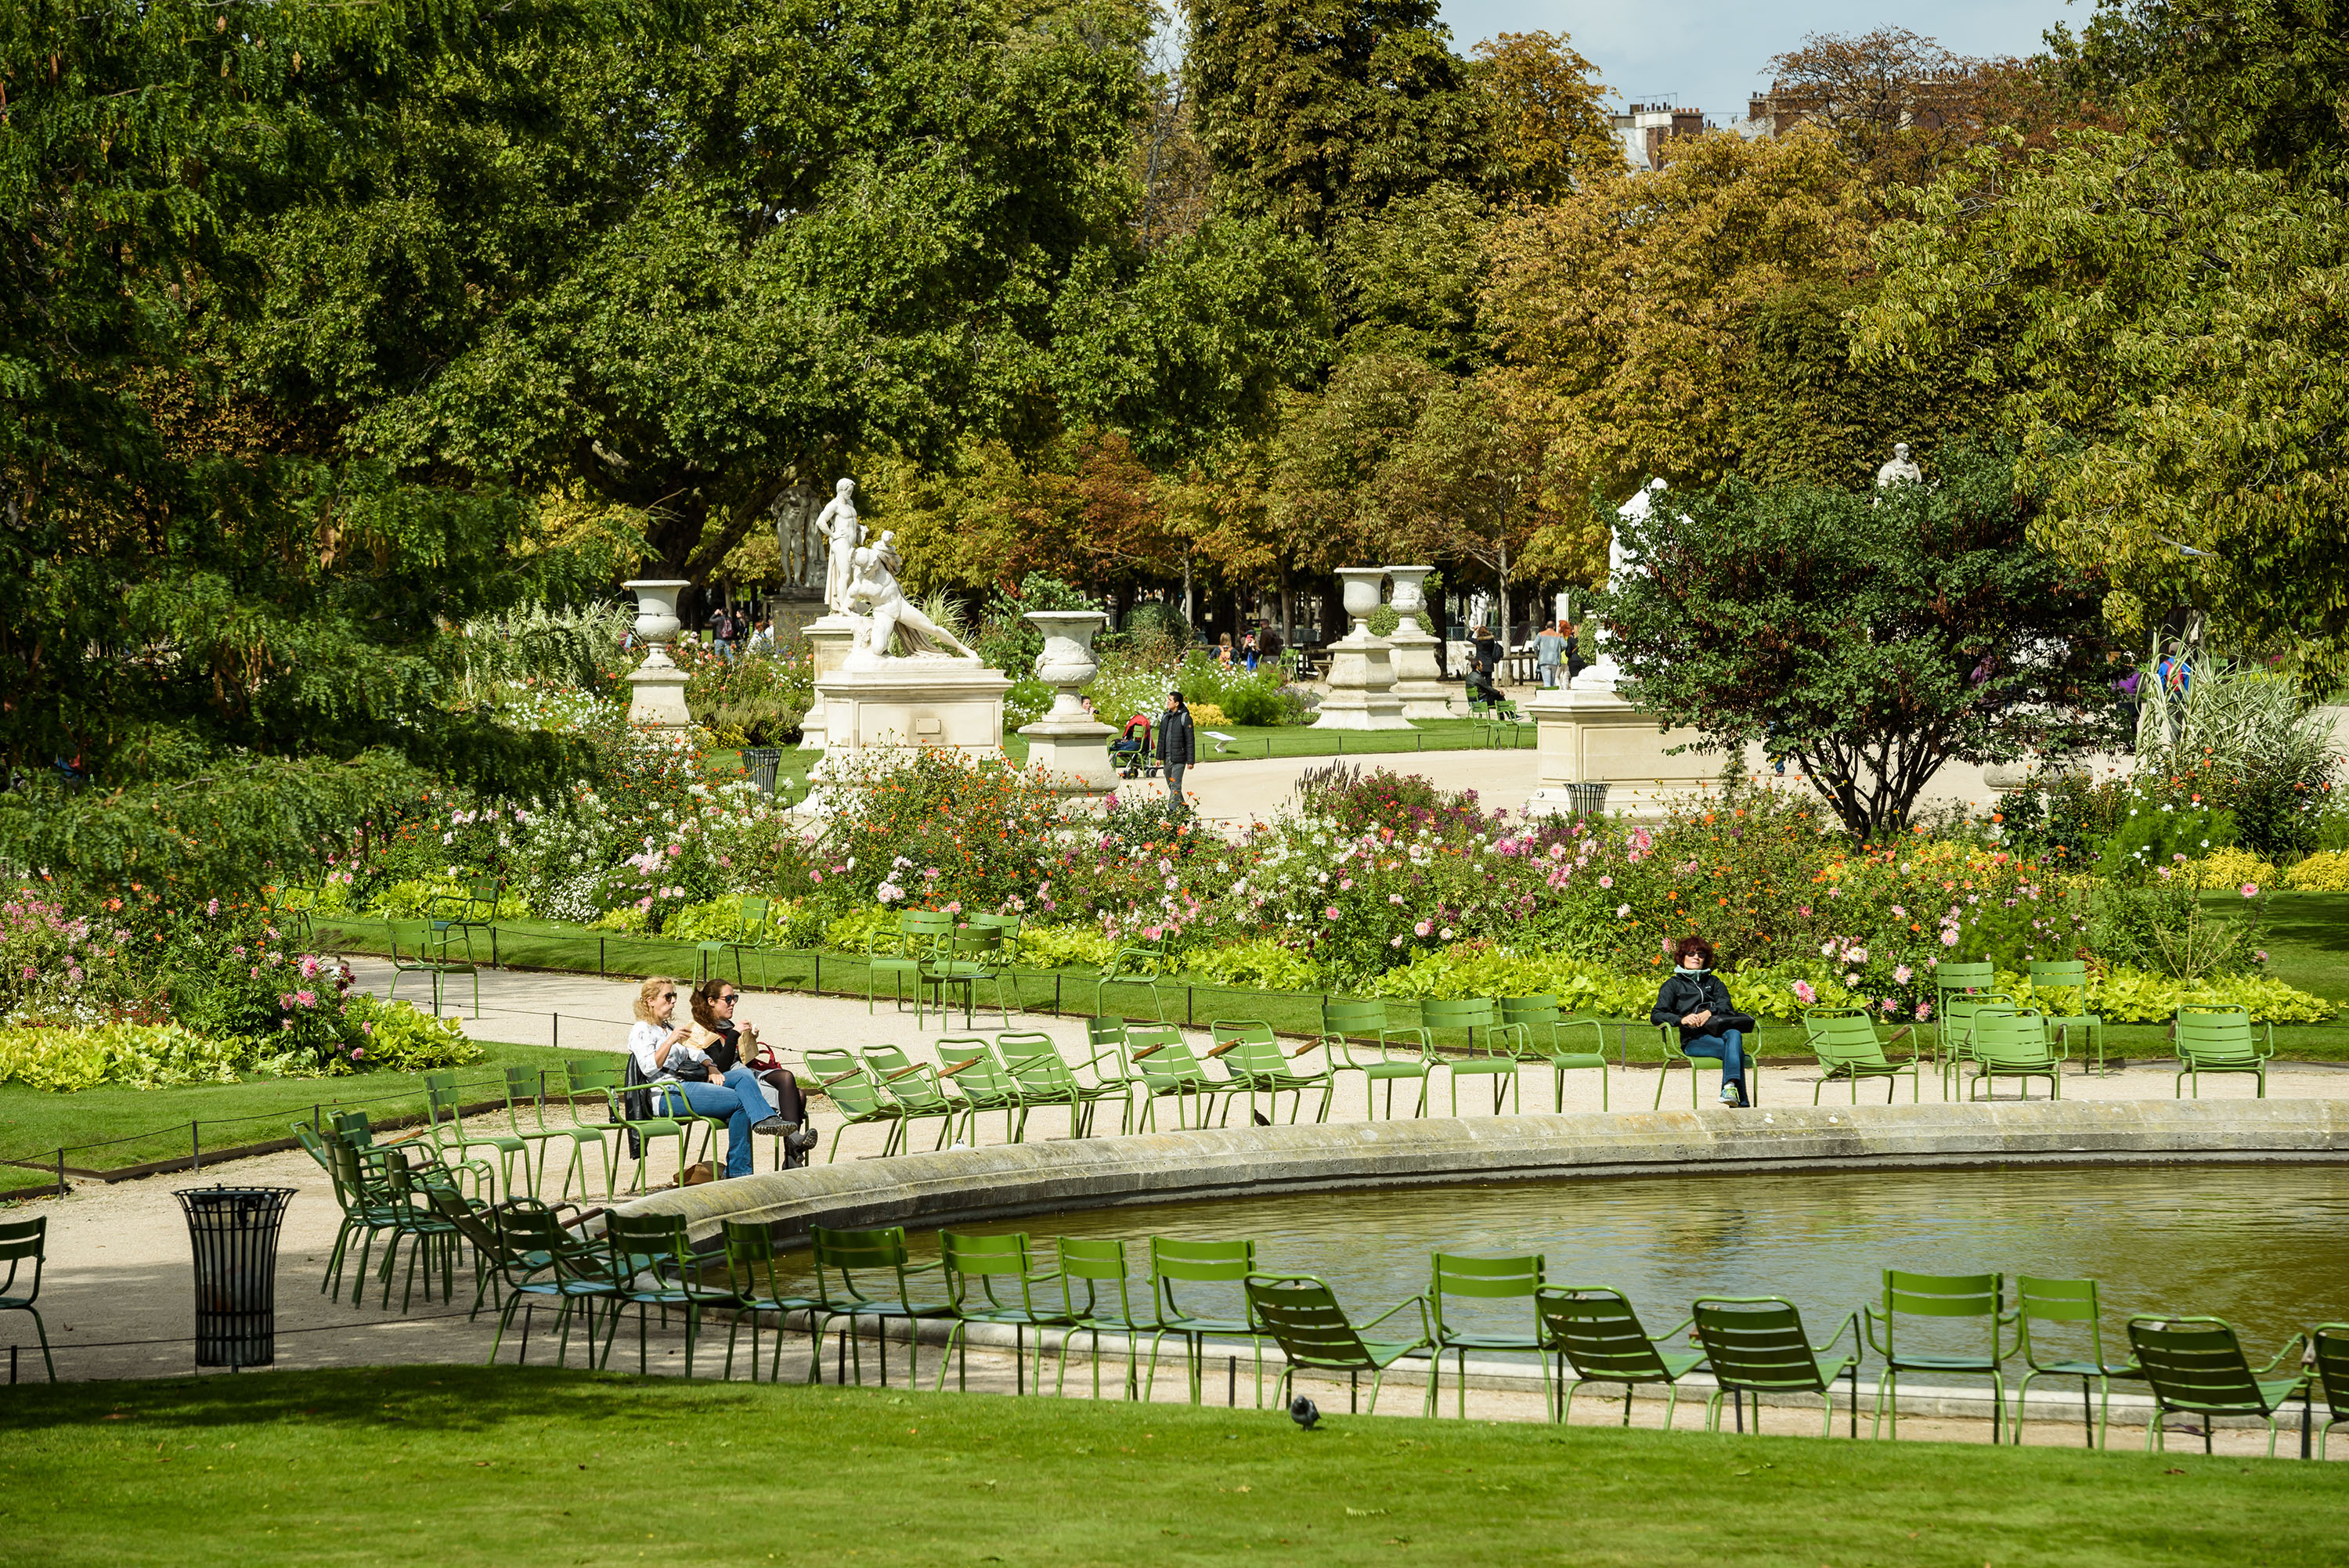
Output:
x,y
998,1182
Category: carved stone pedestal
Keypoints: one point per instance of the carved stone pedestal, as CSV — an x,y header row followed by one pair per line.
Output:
x,y
829,640
656,699
1362,666
1588,734
1067,742
1419,683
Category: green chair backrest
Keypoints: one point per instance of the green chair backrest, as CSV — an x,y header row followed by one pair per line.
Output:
x,y
1170,1065
2212,1032
1098,1261
971,945
1959,1010
842,1077
24,1240
2005,1039
1470,1014
1246,1031
970,1064
1104,1033
1006,927
525,1087
1257,1058
982,1261
2331,1341
2040,1300
1598,1332
1942,1295
1201,1263
1482,1279
1305,1320
1965,974
660,1240
1844,1036
1756,1342
850,1253
1538,1015
2061,975
1035,1062
913,1085
750,1260
1346,1015
2196,1364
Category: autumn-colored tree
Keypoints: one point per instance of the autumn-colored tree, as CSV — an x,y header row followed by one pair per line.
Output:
x,y
1625,314
1899,106
1548,112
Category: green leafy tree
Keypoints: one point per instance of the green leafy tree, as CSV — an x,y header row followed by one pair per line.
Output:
x,y
221,633
1875,636
2167,341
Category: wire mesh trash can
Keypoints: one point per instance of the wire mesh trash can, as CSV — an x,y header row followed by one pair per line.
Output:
x,y
1588,799
233,1232
760,762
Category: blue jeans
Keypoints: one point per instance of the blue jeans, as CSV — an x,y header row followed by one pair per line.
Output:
x,y
737,1099
1729,1046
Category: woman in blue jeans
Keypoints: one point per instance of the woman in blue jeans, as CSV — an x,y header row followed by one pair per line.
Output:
x,y
1710,1025
678,1073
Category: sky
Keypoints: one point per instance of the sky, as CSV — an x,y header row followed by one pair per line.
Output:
x,y
1711,54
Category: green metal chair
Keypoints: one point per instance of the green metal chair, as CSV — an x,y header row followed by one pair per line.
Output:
x,y
525,1088
1979,1297
1177,1262
443,1104
362,1215
290,906
1301,1315
1847,1047
994,1279
1546,1030
2016,1046
1467,1278
540,1260
968,1062
1253,1056
965,960
432,1238
2330,1341
1594,1330
1669,1034
2069,977
847,1254
1043,1077
1960,985
1007,952
1106,1061
749,920
473,907
842,1079
25,1242
914,1088
1504,1048
1093,1270
592,1085
899,949
2065,1300
1135,963
1167,1068
2214,1038
2196,1366
1341,1019
751,1278
1755,1344
418,959
653,1260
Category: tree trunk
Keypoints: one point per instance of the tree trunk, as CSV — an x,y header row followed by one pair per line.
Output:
x,y
1190,597
1288,604
1504,576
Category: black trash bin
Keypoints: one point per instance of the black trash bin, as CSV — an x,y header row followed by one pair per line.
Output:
x,y
1588,799
760,762
234,1232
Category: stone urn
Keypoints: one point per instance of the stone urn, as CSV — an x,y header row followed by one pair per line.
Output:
x,y
658,698
1067,744
1067,662
1410,602
1359,589
1419,679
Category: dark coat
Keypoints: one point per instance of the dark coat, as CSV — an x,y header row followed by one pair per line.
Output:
x,y
1177,746
1684,993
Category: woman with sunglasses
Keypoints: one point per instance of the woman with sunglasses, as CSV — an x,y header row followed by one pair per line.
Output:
x,y
677,1071
725,1041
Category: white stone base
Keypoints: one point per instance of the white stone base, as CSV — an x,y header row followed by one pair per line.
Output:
x,y
1361,687
829,640
1075,754
1589,735
1419,680
657,699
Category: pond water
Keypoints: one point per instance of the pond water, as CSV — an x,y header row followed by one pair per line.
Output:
x,y
2266,1247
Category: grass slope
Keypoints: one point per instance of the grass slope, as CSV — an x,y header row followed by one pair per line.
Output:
x,y
458,1466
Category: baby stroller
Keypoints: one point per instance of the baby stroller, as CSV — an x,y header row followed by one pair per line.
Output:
x,y
1132,751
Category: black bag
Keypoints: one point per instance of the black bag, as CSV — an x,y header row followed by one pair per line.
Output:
x,y
1743,1023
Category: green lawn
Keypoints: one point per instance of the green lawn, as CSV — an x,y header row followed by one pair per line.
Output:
x,y
154,1122
465,1465
2308,941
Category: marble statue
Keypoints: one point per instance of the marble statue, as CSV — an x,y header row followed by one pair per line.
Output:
x,y
873,580
1899,470
842,533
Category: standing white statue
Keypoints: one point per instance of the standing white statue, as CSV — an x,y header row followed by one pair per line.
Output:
x,y
842,533
1899,470
873,580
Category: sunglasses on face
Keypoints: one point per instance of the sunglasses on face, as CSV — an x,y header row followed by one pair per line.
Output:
x,y
668,996
728,999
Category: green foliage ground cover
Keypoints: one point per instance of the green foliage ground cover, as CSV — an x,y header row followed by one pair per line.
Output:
x,y
464,1465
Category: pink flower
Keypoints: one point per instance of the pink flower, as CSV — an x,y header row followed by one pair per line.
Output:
x,y
1606,882
1423,928
815,876
675,850
1901,973
2250,890
212,907
1331,912
1805,994
1924,1011
1949,939
1805,912
2261,956
1827,950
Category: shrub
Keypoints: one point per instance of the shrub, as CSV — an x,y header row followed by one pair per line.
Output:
x,y
140,1056
2325,872
1256,703
415,899
403,1039
2233,867
1209,713
1264,965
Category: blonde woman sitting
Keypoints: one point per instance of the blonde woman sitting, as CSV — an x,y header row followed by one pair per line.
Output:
x,y
683,1079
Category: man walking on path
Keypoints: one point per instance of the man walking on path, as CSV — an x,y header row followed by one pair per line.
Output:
x,y
1177,750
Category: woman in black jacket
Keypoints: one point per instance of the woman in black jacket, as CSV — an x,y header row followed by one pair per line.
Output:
x,y
1710,1025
